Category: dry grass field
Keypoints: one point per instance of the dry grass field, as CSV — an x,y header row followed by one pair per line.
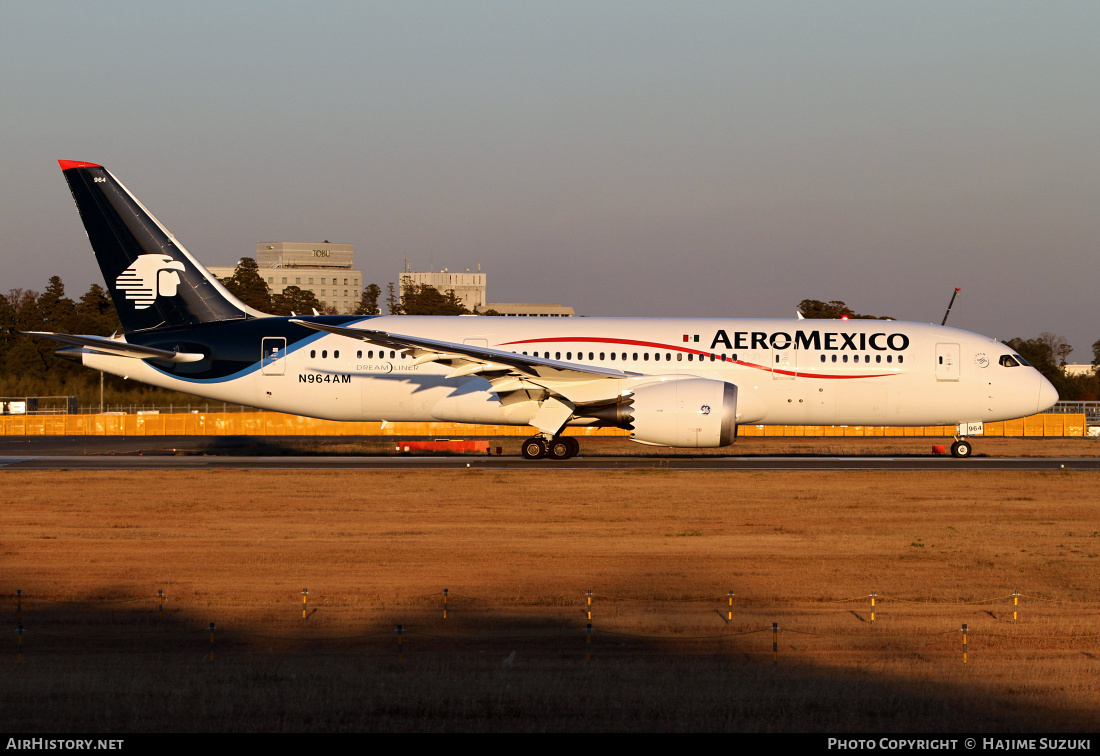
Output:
x,y
517,552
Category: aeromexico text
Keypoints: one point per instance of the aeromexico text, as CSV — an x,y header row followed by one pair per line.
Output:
x,y
827,340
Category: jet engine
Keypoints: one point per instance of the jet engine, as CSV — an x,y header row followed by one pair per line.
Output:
x,y
683,412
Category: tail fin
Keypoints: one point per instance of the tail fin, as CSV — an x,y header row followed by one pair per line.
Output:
x,y
153,280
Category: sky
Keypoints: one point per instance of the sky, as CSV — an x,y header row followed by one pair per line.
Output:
x,y
627,158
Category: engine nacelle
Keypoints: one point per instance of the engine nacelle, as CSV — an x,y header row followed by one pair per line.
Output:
x,y
686,412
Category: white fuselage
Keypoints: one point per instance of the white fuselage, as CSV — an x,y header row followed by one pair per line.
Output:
x,y
788,372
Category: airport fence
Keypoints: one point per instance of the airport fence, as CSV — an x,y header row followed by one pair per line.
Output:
x,y
234,423
583,627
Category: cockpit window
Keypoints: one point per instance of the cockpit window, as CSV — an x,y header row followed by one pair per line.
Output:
x,y
1021,360
1007,360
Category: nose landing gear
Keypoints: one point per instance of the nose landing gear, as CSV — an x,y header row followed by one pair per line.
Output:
x,y
558,447
961,449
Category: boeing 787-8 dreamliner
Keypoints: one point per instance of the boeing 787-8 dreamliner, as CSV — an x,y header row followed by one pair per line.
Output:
x,y
682,382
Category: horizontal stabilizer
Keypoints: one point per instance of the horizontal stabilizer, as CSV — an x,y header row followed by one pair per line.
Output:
x,y
118,347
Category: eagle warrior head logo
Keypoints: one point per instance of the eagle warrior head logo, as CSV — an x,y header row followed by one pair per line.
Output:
x,y
149,277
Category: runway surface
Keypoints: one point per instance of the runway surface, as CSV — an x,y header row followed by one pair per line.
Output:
x,y
201,453
321,462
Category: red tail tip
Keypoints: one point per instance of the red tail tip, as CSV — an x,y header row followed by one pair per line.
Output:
x,y
67,164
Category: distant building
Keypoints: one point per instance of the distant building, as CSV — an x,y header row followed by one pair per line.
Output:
x,y
1072,370
326,269
529,309
469,288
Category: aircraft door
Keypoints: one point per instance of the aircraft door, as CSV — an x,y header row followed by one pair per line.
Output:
x,y
783,364
947,362
273,355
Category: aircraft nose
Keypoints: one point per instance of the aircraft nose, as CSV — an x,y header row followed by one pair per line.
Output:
x,y
1048,395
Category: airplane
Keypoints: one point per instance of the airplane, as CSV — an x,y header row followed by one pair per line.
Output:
x,y
676,382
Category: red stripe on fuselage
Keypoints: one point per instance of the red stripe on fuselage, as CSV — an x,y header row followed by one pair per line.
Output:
x,y
671,348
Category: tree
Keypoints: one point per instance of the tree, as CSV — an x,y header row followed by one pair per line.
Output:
x,y
295,300
1096,366
247,285
1059,348
816,309
57,311
24,310
368,302
24,359
425,299
393,303
95,313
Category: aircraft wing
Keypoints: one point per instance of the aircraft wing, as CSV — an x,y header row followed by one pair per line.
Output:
x,y
558,387
118,347
469,359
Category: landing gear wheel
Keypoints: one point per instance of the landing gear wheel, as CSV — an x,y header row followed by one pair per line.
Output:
x,y
534,448
961,449
574,446
560,448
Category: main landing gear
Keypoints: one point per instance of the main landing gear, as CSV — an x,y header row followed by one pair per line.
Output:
x,y
961,449
558,447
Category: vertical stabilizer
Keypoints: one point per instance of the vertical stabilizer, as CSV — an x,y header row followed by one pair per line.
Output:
x,y
154,281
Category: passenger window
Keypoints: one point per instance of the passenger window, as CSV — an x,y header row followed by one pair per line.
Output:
x,y
691,357
889,358
822,358
845,358
645,356
312,353
324,354
834,358
557,355
901,358
668,356
612,356
679,356
878,358
359,354
568,355
635,356
592,356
